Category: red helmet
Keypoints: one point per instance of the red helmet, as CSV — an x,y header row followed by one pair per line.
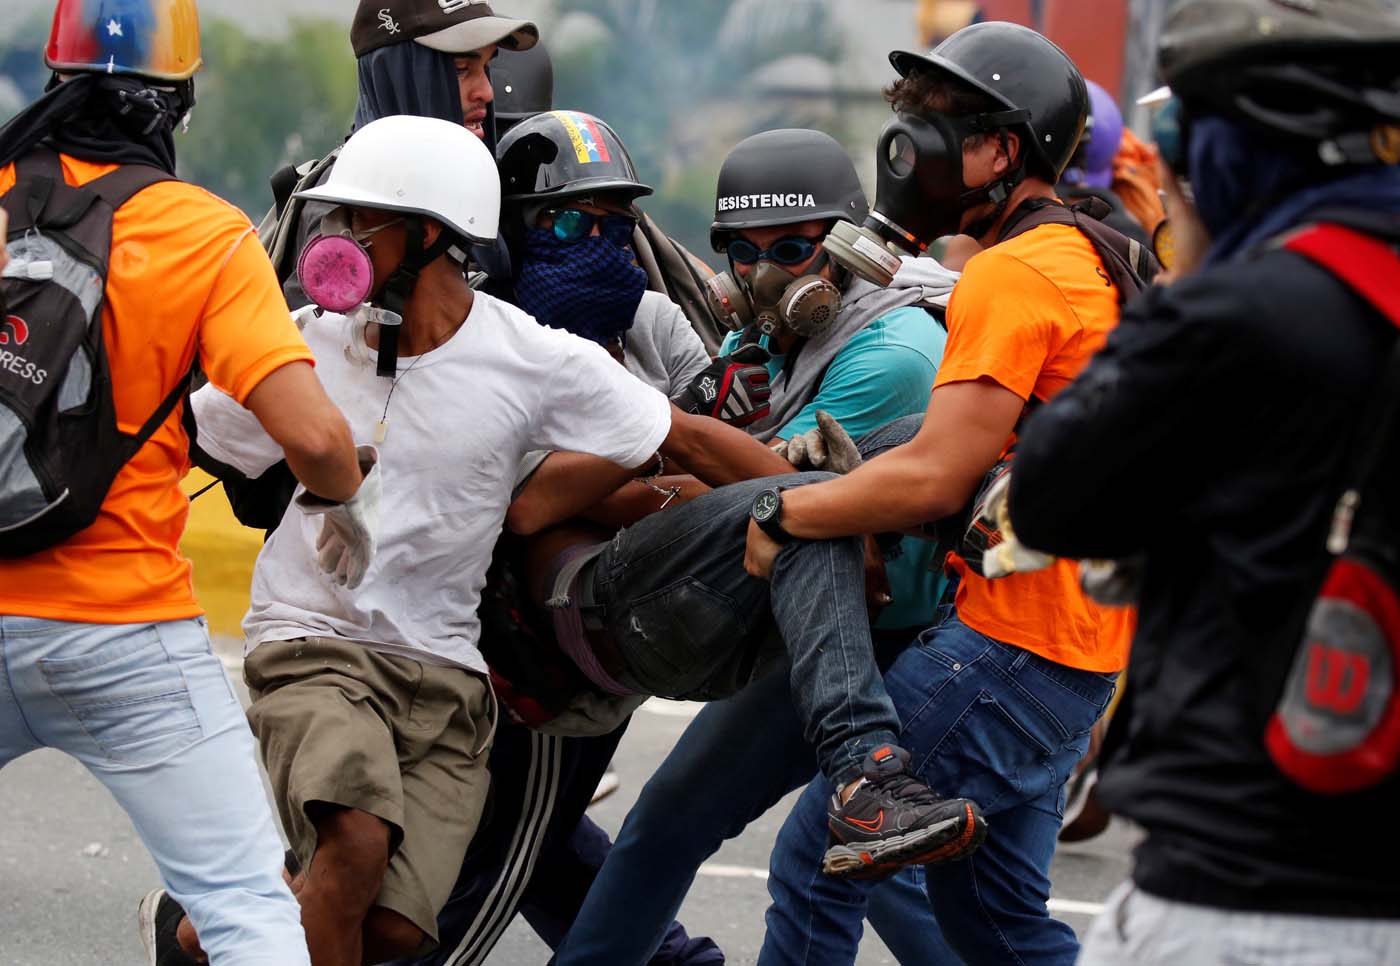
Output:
x,y
158,39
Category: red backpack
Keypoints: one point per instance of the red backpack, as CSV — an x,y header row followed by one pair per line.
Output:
x,y
1336,727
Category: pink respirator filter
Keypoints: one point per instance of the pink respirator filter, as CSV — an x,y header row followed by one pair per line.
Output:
x,y
335,272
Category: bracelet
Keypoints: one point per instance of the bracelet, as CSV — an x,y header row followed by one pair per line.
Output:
x,y
650,483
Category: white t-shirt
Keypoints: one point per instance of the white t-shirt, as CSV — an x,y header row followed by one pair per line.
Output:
x,y
460,419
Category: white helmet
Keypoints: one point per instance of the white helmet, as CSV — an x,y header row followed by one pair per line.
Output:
x,y
418,165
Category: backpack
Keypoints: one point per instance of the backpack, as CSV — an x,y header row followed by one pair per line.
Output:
x,y
60,448
1130,267
1336,726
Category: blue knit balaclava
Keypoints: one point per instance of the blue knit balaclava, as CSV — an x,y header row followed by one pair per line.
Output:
x,y
589,287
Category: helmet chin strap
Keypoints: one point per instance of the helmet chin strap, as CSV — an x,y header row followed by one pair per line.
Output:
x,y
997,191
399,288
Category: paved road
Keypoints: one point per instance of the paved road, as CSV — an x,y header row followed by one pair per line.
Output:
x,y
72,870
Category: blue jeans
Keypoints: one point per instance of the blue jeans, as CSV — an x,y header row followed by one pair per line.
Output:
x,y
986,721
690,623
734,761
148,709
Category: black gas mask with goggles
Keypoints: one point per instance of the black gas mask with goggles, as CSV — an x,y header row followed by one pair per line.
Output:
x,y
920,194
770,297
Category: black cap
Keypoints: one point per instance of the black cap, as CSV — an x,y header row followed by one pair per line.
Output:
x,y
564,154
782,177
451,26
524,83
1021,70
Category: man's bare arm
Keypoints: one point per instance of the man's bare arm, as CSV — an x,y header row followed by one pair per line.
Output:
x,y
563,486
717,453
930,477
573,484
294,409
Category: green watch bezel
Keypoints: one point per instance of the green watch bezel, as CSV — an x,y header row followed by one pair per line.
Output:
x,y
769,519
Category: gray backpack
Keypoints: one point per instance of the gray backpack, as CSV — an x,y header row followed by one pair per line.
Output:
x,y
60,447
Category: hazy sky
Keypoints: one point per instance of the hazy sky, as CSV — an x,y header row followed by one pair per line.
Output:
x,y
267,16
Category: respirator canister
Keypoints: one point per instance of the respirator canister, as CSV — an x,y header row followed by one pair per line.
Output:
x,y
772,299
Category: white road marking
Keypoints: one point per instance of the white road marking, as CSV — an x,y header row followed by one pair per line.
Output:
x,y
720,871
672,709
1075,907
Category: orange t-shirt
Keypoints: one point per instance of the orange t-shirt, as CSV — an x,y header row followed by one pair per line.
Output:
x,y
1028,314
186,272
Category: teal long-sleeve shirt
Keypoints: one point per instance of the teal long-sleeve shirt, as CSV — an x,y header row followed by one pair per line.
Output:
x,y
883,372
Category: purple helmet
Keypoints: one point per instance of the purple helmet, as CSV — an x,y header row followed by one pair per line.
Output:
x,y
1093,162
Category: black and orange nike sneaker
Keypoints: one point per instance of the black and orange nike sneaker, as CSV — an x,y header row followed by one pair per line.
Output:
x,y
892,819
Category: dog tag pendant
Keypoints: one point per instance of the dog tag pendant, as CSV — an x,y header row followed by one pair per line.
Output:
x,y
381,430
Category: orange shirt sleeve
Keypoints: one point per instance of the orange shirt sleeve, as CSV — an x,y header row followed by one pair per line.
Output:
x,y
1005,320
247,331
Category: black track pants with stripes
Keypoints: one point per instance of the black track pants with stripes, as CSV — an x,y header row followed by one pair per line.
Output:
x,y
536,853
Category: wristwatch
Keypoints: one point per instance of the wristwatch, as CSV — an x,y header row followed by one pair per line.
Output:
x,y
767,512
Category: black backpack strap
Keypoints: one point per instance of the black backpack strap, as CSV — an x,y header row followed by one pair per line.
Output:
x,y
117,188
48,200
1130,266
42,172
283,182
120,186
163,411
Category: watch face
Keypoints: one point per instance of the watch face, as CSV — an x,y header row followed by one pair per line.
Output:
x,y
765,506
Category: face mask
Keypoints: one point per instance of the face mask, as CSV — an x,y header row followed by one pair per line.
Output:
x,y
334,269
337,275
590,287
773,299
919,191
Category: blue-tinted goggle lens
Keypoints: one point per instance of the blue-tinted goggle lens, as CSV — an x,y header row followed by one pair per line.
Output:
x,y
1169,133
792,250
572,225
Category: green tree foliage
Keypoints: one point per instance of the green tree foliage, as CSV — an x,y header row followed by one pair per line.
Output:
x,y
671,78
263,103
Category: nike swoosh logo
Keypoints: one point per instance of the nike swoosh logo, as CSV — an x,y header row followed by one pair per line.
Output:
x,y
874,826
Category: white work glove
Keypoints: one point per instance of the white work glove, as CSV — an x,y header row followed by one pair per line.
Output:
x,y
1005,556
347,541
828,447
1113,583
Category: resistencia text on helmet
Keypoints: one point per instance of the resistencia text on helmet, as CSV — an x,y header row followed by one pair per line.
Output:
x,y
786,200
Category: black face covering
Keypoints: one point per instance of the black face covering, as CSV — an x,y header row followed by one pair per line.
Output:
x,y
103,118
408,78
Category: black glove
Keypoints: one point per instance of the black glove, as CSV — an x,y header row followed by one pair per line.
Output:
x,y
733,388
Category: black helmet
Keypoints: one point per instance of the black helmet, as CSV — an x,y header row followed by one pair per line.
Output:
x,y
561,154
1023,71
523,82
1312,71
781,177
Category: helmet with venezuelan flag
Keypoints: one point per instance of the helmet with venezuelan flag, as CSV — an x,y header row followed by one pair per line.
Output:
x,y
156,39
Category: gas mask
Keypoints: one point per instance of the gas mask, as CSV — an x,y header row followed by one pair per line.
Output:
x,y
773,299
919,191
